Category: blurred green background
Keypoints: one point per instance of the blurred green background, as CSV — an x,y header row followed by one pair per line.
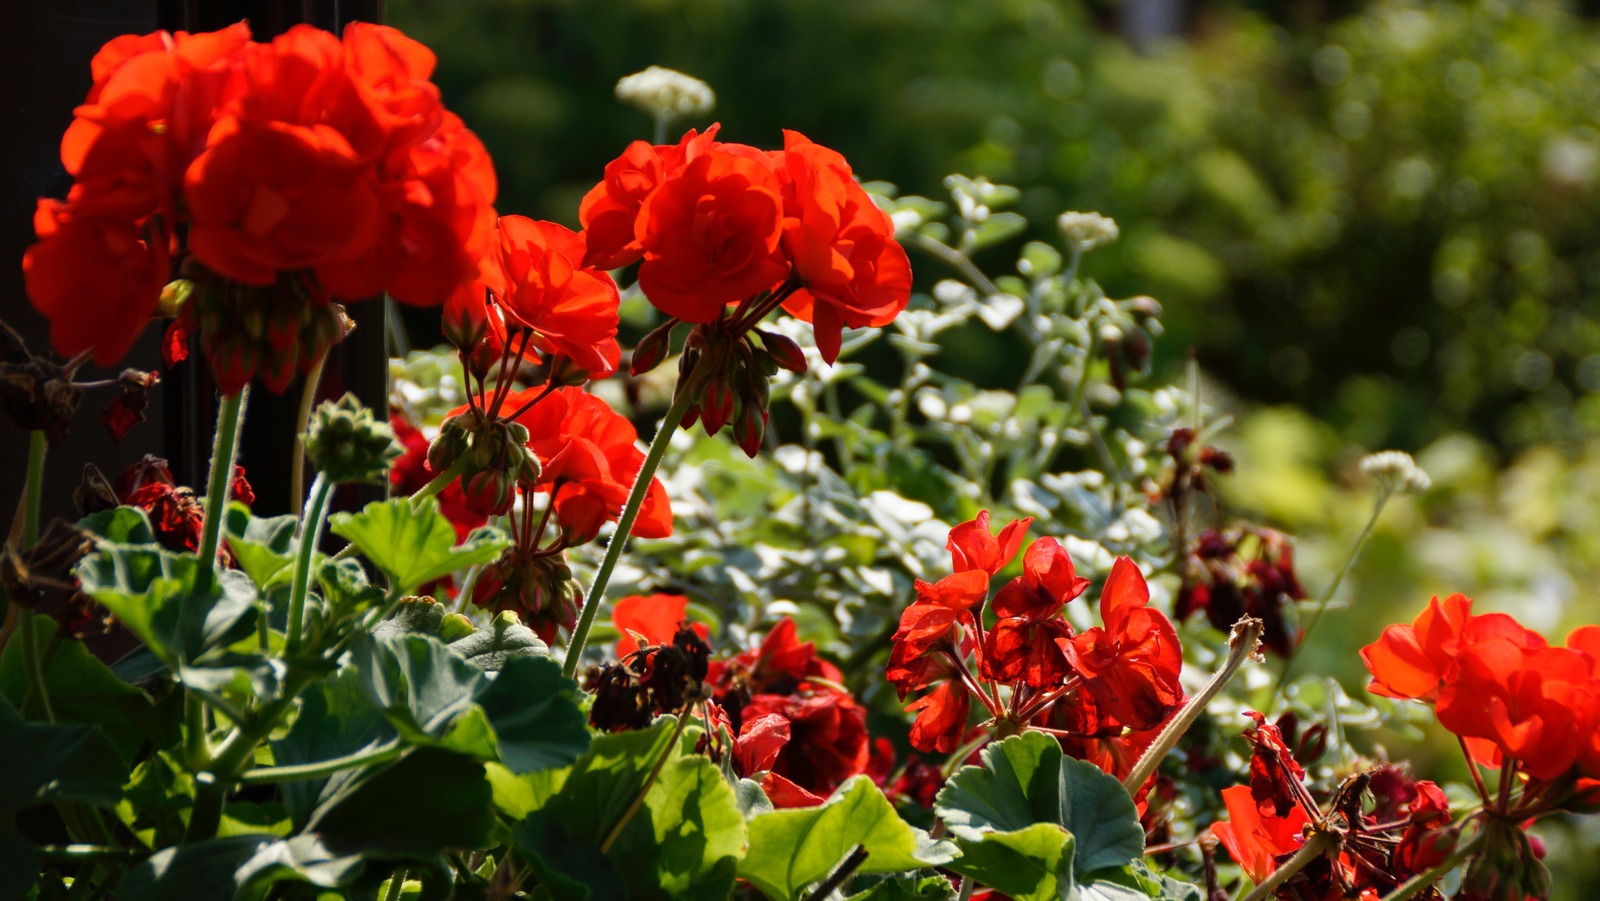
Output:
x,y
1373,222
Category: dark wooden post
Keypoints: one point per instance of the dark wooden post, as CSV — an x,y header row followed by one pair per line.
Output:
x,y
358,364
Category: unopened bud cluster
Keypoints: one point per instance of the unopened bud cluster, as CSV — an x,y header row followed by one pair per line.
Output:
x,y
495,455
273,331
738,389
346,443
538,587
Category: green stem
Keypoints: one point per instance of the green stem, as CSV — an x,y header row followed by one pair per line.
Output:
x,y
438,483
310,534
32,495
1327,597
268,775
302,419
397,884
223,453
641,485
655,773
78,852
1318,844
1241,644
32,489
841,873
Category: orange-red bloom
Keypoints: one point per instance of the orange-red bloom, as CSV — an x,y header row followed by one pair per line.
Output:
x,y
535,275
656,617
1254,839
610,211
851,270
1131,666
710,235
1413,660
1024,642
972,546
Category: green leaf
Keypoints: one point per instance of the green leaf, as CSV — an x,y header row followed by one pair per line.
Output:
x,y
1029,864
997,228
337,718
239,866
413,615
535,713
420,805
82,690
264,546
415,545
791,849
684,841
421,687
908,888
344,583
153,594
505,638
1002,813
44,762
123,525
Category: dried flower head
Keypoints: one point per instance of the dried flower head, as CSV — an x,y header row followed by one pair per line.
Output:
x,y
1086,231
666,93
1395,471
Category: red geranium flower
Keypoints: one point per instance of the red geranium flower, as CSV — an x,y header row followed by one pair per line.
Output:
x,y
610,211
1023,643
710,235
1535,704
972,547
1131,666
1256,840
941,718
534,273
851,270
656,617
1413,660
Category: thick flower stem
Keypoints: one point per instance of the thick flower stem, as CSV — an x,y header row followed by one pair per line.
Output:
x,y
229,419
840,875
308,400
1241,644
271,774
681,402
310,534
1322,605
31,498
439,482
1317,845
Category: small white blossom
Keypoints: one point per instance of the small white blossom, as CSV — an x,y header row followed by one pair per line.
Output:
x,y
1395,471
666,93
1086,231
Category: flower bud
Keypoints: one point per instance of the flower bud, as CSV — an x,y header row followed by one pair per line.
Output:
x,y
489,493
716,407
465,319
785,352
173,297
652,348
346,443
449,446
750,427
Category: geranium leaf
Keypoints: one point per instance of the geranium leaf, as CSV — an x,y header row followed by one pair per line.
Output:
x,y
684,841
44,762
505,639
908,888
415,545
791,849
534,712
239,866
425,802
82,690
1026,787
153,594
123,525
264,546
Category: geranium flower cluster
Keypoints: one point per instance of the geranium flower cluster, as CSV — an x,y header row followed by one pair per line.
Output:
x,y
1104,692
715,224
1516,702
280,176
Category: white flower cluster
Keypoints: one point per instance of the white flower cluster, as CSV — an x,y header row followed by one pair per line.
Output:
x,y
1395,471
666,93
1086,231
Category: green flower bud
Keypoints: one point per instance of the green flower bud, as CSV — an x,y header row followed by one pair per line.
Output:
x,y
346,443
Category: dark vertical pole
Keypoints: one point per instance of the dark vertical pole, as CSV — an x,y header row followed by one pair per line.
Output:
x,y
45,50
359,364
